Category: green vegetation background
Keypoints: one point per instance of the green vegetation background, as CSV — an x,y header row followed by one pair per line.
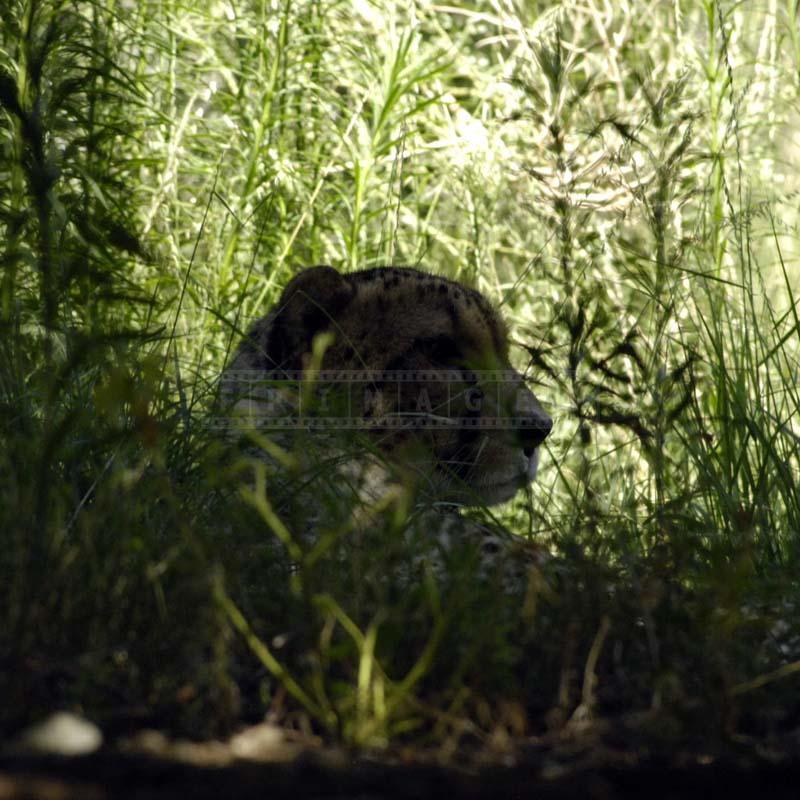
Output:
x,y
621,179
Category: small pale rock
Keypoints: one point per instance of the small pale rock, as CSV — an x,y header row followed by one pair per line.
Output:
x,y
263,742
62,734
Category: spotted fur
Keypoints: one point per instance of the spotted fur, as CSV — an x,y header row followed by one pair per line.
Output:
x,y
399,319
404,319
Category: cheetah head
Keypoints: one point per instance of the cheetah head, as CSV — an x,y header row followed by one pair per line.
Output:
x,y
417,362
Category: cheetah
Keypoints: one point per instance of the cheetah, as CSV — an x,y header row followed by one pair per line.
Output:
x,y
415,365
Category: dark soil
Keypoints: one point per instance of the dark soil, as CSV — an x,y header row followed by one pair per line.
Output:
x,y
112,773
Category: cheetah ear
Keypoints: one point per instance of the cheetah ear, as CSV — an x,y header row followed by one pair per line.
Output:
x,y
310,304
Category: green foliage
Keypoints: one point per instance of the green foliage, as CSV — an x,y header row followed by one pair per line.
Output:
x,y
619,178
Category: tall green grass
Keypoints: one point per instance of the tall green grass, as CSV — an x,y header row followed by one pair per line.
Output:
x,y
621,180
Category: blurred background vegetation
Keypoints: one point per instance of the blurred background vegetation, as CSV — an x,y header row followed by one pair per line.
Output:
x,y
620,179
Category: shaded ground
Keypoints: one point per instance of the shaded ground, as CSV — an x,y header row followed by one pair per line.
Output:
x,y
152,767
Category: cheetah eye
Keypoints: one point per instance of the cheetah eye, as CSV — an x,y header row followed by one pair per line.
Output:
x,y
490,547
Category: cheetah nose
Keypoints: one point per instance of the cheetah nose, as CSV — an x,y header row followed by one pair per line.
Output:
x,y
533,431
533,422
